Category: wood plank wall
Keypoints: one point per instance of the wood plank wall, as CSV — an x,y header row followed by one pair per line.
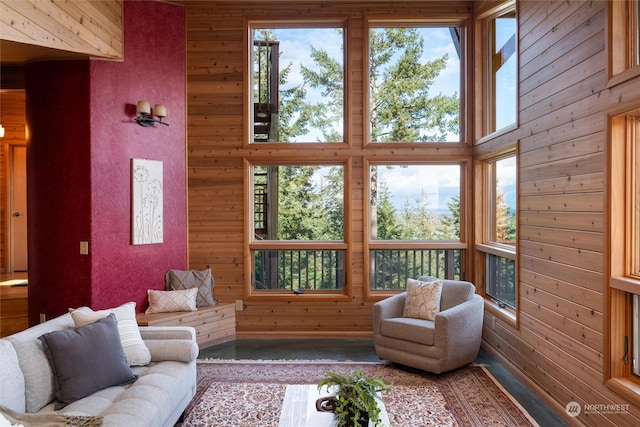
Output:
x,y
215,86
562,130
558,347
87,27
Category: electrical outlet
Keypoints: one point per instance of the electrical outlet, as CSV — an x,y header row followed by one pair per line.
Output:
x,y
84,248
492,323
239,305
43,317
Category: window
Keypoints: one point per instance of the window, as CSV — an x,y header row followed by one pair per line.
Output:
x,y
414,83
299,226
498,235
624,259
503,69
298,83
414,223
624,40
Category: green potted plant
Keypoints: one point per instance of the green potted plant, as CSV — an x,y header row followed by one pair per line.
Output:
x,y
356,398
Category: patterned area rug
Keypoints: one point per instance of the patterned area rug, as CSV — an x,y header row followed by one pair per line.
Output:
x,y
250,394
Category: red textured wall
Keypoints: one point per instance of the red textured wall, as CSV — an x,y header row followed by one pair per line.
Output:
x,y
83,139
58,185
153,70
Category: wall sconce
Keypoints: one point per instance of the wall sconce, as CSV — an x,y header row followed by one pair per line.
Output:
x,y
144,114
1,131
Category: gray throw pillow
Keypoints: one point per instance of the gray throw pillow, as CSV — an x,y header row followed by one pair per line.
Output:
x,y
176,280
86,359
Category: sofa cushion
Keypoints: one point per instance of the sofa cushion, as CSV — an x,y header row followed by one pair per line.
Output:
x,y
38,376
134,348
423,299
186,279
409,329
12,389
86,359
170,301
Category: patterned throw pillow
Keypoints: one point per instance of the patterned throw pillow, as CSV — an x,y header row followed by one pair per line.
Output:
x,y
170,301
423,299
187,279
134,348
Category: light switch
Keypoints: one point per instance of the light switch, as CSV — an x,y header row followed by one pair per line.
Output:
x,y
84,248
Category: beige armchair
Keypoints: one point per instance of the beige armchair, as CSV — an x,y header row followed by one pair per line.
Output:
x,y
450,342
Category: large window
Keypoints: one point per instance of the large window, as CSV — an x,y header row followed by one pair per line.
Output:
x,y
497,240
624,254
414,223
298,227
414,83
298,83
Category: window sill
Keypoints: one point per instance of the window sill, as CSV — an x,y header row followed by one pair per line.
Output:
x,y
625,387
507,315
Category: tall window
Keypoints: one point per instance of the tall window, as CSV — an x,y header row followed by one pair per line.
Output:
x,y
414,83
502,64
624,40
498,241
299,227
624,254
298,83
414,223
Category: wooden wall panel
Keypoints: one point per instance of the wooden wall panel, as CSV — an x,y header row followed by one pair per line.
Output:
x,y
215,75
558,345
93,28
560,341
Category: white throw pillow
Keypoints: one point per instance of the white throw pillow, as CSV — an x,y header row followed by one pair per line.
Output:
x,y
423,299
170,301
134,348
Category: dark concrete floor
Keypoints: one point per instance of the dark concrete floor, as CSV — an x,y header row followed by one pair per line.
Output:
x,y
361,350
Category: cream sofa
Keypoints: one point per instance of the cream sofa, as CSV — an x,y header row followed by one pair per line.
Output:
x,y
449,342
157,398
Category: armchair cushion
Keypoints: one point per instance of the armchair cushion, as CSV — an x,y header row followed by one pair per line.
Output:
x,y
423,299
409,329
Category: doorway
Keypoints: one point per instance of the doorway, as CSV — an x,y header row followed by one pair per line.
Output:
x,y
18,208
13,184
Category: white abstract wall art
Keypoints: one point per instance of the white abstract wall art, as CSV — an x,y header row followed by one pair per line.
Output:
x,y
146,190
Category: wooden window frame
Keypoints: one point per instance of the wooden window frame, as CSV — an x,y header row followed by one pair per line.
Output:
x,y
250,23
623,246
484,213
465,219
484,109
466,76
252,244
622,41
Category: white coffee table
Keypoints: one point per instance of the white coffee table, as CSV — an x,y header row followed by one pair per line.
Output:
x,y
299,408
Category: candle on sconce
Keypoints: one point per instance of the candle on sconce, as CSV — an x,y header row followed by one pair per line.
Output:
x,y
160,110
143,107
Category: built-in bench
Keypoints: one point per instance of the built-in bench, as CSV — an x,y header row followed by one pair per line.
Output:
x,y
213,325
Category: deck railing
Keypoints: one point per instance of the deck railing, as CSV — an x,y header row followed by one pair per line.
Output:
x,y
390,268
299,270
324,270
